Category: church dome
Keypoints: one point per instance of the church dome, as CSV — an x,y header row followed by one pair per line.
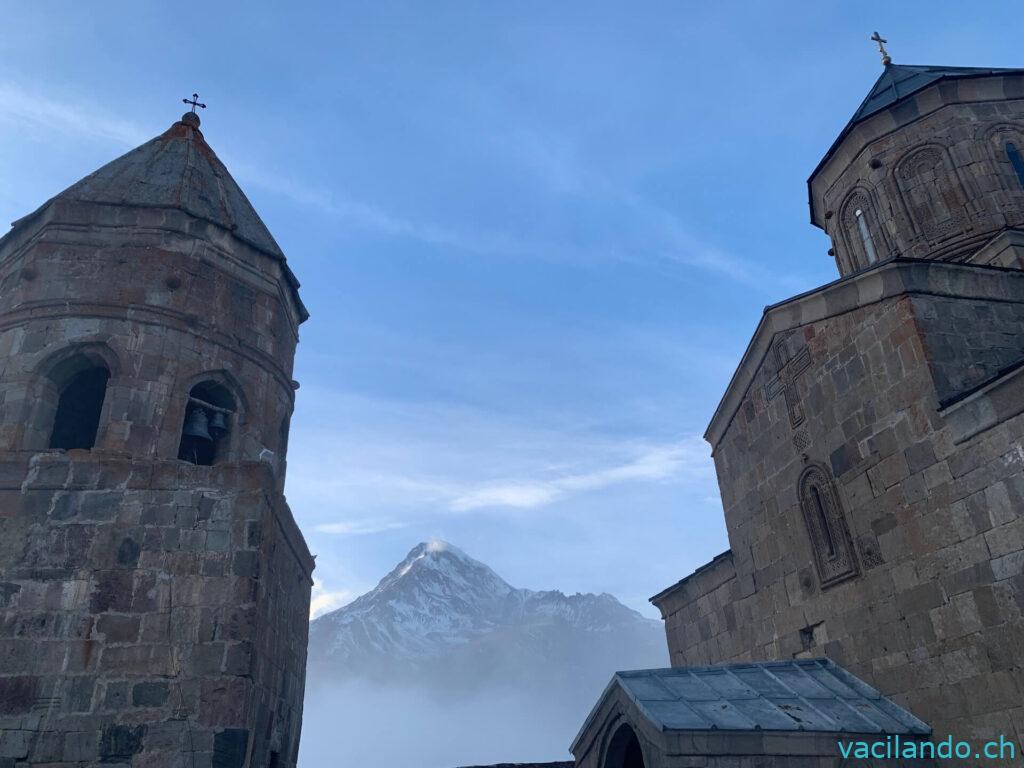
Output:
x,y
928,167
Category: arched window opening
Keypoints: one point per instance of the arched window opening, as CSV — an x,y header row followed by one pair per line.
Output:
x,y
79,406
862,236
209,416
826,527
624,750
865,236
1014,156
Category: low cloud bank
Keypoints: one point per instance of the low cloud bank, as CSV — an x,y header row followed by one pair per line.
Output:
x,y
386,726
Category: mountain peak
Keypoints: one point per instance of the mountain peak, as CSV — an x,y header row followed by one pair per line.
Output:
x,y
435,547
439,598
448,562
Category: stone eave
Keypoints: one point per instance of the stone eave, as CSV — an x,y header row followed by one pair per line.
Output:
x,y
45,213
894,277
671,590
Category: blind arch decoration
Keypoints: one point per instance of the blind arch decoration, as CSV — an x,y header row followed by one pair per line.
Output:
x,y
829,534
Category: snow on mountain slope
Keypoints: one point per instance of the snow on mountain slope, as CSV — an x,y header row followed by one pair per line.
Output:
x,y
441,615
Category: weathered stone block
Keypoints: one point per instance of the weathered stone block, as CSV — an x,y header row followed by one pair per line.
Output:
x,y
229,748
150,694
121,743
17,694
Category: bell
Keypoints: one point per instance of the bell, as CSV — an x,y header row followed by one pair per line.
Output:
x,y
218,424
196,425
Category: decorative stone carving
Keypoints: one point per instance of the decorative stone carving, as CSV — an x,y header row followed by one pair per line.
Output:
x,y
932,194
826,526
790,365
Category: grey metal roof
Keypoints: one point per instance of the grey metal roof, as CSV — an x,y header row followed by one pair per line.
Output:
x,y
900,80
813,695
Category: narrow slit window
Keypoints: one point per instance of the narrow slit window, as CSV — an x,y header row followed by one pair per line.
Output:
x,y
77,419
865,236
1014,156
826,529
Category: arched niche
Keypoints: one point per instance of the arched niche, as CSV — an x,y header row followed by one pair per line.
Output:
x,y
67,398
827,529
932,193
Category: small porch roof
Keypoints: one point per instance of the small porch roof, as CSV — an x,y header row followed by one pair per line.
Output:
x,y
805,695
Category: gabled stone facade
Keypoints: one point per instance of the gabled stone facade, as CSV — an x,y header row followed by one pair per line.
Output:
x,y
153,611
870,446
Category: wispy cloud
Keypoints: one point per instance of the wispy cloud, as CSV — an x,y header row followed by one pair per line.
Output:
x,y
379,461
358,527
324,601
382,221
653,464
80,119
658,234
25,106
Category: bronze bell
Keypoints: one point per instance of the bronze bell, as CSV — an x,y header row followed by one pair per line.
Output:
x,y
218,424
197,425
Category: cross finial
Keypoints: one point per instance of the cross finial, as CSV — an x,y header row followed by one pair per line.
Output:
x,y
886,58
194,101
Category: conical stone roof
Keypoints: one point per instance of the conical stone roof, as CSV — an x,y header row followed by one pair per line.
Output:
x,y
177,170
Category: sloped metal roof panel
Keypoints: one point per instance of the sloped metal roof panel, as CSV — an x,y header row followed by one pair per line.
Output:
x,y
900,80
800,695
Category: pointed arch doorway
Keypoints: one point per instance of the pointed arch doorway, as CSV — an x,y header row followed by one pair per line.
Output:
x,y
624,750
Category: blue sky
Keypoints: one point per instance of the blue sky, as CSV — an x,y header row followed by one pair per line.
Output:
x,y
534,238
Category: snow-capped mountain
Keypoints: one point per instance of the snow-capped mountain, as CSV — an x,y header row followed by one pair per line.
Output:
x,y
442,618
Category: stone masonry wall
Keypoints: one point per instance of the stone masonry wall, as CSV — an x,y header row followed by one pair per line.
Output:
x,y
166,311
967,342
934,616
142,610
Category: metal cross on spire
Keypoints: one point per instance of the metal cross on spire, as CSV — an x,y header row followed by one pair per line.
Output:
x,y
886,58
194,101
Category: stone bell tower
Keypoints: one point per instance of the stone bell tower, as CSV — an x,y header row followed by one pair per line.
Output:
x,y
154,587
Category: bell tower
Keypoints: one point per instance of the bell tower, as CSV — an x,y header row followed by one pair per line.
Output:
x,y
154,587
